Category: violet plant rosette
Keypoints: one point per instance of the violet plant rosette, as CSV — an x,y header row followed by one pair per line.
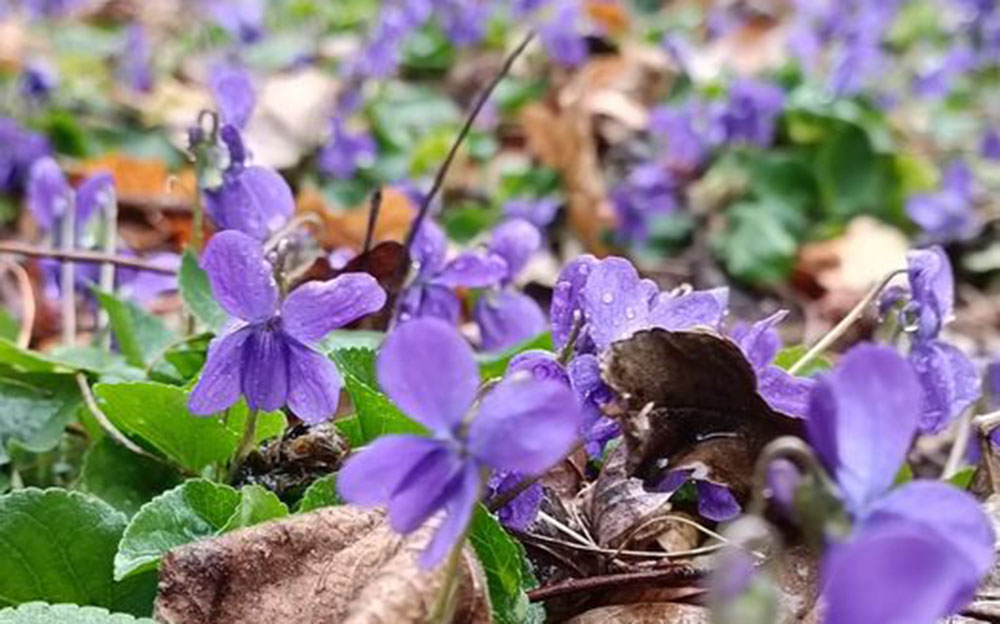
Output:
x,y
428,370
916,553
267,352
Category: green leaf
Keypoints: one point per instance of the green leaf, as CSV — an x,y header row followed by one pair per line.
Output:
x,y
122,478
196,509
963,478
157,413
140,335
756,246
9,326
350,428
351,339
508,573
376,414
256,505
854,179
34,409
197,293
321,493
904,476
492,365
790,355
62,360
44,613
59,547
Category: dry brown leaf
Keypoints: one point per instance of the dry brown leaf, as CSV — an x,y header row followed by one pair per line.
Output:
x,y
645,613
611,15
619,503
142,177
338,564
347,228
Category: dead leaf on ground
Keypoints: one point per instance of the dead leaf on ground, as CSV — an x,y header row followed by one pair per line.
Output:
x,y
619,503
338,564
347,227
646,613
691,401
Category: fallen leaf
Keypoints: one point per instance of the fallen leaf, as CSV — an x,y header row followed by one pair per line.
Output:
x,y
645,613
619,503
691,401
337,564
347,228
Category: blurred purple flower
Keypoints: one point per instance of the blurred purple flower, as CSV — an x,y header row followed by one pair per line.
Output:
x,y
715,501
50,8
760,343
38,80
266,353
346,152
616,304
242,19
538,212
932,291
520,512
990,148
648,191
947,215
689,135
751,113
19,149
432,292
561,34
593,394
232,88
464,21
49,194
939,80
521,425
136,60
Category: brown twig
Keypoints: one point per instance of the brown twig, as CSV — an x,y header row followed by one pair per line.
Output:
x,y
981,613
673,576
79,255
155,203
27,302
501,499
442,171
373,209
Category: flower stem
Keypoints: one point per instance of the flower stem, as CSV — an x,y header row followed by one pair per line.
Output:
x,y
845,323
68,275
245,445
444,605
107,276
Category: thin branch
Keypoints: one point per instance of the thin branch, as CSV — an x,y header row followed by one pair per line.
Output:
x,y
155,203
677,576
841,327
442,172
67,275
80,255
374,208
27,302
637,554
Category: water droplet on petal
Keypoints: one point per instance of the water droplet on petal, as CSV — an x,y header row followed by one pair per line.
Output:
x,y
630,313
607,297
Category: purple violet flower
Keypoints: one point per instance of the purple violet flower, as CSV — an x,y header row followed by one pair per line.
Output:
x,y
617,304
232,88
915,554
948,214
135,64
254,199
538,212
49,194
561,34
507,317
267,351
760,343
567,298
649,191
19,149
432,291
751,114
429,371
346,152
242,19
990,148
715,501
38,80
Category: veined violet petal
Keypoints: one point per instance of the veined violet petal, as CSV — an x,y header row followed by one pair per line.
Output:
x,y
615,301
220,381
506,319
704,308
242,280
471,270
315,309
372,474
949,380
461,503
265,369
313,384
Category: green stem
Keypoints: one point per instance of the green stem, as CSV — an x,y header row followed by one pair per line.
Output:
x,y
444,605
246,444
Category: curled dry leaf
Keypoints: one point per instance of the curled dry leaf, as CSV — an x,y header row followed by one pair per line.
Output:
x,y
691,402
337,564
645,613
619,503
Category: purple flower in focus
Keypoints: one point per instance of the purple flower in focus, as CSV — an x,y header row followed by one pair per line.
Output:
x,y
521,425
751,113
715,501
760,343
242,19
566,308
932,291
346,152
593,394
915,554
508,317
266,353
432,292
253,199
232,88
135,64
520,512
616,304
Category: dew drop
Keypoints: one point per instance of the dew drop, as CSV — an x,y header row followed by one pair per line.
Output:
x,y
630,313
607,297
